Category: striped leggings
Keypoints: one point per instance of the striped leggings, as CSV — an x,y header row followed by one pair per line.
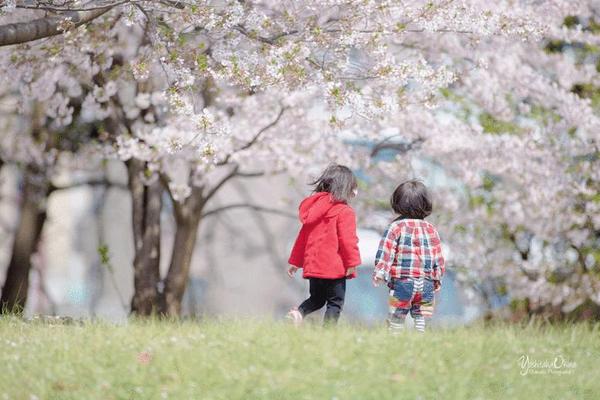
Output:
x,y
414,295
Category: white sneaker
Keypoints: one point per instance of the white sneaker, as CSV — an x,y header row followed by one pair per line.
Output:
x,y
295,316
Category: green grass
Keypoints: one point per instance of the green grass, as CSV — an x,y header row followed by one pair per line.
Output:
x,y
225,359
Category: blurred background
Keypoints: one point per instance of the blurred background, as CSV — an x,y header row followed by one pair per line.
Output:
x,y
153,154
82,267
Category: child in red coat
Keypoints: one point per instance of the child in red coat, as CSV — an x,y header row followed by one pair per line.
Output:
x,y
327,246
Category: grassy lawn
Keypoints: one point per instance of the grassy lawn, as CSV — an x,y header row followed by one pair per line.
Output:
x,y
266,360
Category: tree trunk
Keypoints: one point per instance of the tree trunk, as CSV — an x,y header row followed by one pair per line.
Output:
x,y
146,207
187,219
27,236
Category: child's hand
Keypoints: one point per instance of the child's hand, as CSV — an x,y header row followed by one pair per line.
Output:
x,y
292,271
377,280
437,285
350,271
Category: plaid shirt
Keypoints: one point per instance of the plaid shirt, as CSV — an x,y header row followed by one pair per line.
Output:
x,y
410,248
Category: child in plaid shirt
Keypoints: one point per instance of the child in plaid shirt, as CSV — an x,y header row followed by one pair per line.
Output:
x,y
410,258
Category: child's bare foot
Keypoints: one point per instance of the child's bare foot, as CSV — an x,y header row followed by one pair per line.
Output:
x,y
295,316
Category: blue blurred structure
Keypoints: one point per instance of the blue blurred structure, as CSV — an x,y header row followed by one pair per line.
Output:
x,y
368,304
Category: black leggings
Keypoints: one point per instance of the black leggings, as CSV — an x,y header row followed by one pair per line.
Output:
x,y
330,291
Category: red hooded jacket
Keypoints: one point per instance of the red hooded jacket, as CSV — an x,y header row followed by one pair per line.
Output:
x,y
327,244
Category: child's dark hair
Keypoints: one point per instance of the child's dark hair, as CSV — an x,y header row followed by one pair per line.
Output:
x,y
411,200
337,180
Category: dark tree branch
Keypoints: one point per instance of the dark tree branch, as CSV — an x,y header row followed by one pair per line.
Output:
x,y
93,182
49,26
411,30
23,32
251,206
273,39
174,3
143,11
531,275
65,8
178,208
51,8
268,40
399,147
255,138
258,173
264,129
223,181
523,253
443,30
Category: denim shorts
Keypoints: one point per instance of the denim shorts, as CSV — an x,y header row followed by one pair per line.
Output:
x,y
414,295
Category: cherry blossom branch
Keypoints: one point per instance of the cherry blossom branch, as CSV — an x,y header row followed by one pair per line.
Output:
x,y
256,137
269,40
263,129
223,181
273,39
235,172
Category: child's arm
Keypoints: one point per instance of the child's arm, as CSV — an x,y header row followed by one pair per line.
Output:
x,y
439,263
297,255
385,256
348,240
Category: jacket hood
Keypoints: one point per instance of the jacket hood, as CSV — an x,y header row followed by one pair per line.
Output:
x,y
318,205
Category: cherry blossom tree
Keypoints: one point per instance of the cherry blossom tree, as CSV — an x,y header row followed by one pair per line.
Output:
x,y
191,95
40,153
540,182
518,140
